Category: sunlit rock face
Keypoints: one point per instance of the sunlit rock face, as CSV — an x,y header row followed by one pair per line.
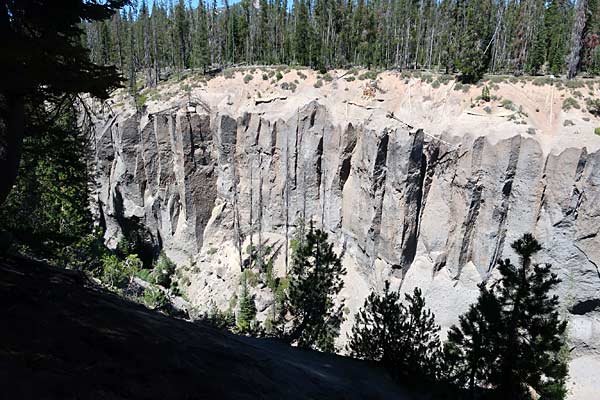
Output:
x,y
418,208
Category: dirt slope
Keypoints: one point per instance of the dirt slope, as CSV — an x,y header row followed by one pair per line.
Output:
x,y
63,338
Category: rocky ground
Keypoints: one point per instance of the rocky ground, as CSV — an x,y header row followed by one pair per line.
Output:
x,y
415,178
64,338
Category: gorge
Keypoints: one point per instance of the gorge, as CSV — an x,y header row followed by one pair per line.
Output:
x,y
419,185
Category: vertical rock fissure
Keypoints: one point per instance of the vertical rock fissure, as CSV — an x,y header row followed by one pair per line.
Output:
x,y
577,194
501,212
542,202
429,167
296,144
417,168
321,177
470,223
346,156
378,192
192,152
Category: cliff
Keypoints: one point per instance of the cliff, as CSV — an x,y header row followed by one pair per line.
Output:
x,y
420,185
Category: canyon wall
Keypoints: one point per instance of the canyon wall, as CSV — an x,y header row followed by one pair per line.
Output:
x,y
404,204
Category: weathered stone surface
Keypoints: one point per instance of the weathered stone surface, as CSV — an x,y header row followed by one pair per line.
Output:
x,y
400,205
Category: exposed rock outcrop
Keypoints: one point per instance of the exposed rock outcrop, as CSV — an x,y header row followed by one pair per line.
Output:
x,y
431,209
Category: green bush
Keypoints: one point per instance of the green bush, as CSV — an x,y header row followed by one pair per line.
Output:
x,y
248,78
117,273
508,104
368,75
327,77
140,100
497,79
318,83
574,84
593,106
222,320
350,78
144,274
597,131
435,84
353,71
445,79
485,94
163,271
265,77
570,103
288,86
155,298
250,277
279,76
542,81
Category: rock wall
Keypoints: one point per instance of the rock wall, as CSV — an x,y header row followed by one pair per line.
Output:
x,y
401,204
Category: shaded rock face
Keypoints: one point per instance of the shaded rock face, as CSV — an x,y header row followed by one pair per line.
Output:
x,y
400,204
158,176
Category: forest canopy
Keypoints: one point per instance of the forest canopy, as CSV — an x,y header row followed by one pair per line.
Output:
x,y
470,37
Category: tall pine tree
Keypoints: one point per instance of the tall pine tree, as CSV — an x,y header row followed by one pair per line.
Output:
x,y
315,281
512,338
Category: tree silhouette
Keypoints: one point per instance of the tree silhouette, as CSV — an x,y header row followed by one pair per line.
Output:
x,y
315,281
512,338
404,338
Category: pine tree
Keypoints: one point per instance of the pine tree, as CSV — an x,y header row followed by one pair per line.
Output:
x,y
467,36
377,327
48,209
474,56
201,56
44,62
182,30
301,33
533,333
163,271
556,30
146,32
315,281
512,338
468,352
247,309
404,338
537,53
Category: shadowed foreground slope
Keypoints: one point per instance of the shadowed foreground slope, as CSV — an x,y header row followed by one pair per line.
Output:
x,y
62,337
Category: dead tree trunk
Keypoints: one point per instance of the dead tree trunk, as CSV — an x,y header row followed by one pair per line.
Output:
x,y
12,130
574,56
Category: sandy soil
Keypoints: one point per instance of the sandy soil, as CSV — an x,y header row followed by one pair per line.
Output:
x,y
444,110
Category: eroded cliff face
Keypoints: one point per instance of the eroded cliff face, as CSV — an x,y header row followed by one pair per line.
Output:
x,y
418,208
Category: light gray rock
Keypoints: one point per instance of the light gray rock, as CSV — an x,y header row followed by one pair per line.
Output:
x,y
400,205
